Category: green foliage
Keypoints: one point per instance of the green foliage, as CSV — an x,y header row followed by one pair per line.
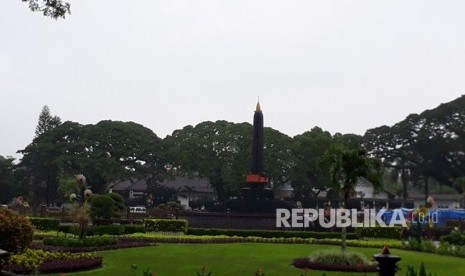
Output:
x,y
134,228
268,233
45,223
310,176
166,225
16,231
115,230
456,237
87,242
33,259
380,232
334,257
421,272
119,201
102,207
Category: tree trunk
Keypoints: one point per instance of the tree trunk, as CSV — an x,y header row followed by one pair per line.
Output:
x,y
426,190
343,229
404,188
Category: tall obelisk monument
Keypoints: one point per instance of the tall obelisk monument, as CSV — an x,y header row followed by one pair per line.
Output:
x,y
257,178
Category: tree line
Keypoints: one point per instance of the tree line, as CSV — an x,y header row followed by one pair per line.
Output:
x,y
422,149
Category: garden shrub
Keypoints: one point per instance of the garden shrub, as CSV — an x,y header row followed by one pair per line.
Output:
x,y
380,232
421,272
45,223
455,237
16,231
33,261
335,260
166,225
69,229
87,242
339,258
108,230
134,228
268,233
102,206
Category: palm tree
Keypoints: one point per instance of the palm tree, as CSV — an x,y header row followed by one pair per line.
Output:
x,y
346,167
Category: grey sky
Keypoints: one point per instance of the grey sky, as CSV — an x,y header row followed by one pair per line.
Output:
x,y
345,66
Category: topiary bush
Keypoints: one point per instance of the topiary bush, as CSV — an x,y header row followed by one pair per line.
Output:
x,y
102,206
16,231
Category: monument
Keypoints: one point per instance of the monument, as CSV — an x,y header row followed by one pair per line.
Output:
x,y
257,176
256,179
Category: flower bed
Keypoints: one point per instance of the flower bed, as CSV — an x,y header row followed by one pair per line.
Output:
x,y
39,261
122,243
336,261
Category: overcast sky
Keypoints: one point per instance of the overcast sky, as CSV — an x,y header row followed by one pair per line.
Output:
x,y
346,66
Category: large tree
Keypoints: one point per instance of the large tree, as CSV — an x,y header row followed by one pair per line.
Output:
x,y
221,152
310,176
104,152
46,121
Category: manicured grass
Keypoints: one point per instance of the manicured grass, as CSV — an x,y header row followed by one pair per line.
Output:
x,y
245,258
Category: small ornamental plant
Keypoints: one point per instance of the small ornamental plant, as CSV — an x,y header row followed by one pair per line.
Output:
x,y
259,272
16,231
203,272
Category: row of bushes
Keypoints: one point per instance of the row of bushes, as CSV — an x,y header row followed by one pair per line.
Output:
x,y
380,232
45,224
100,230
268,233
166,225
151,225
87,242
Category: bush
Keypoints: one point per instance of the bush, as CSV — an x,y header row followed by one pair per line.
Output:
x,y
69,229
336,261
268,233
32,261
421,272
339,258
166,225
455,237
133,228
87,242
45,223
108,230
380,232
16,232
102,206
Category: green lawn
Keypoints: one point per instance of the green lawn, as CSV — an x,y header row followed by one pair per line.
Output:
x,y
244,259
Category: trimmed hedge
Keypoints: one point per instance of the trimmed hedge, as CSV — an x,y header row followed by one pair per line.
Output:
x,y
166,225
134,228
380,232
87,242
268,233
114,230
45,223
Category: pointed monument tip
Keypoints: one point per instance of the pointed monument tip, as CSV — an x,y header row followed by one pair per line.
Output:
x,y
258,109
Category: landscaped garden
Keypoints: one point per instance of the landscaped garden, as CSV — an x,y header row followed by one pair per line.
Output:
x,y
170,247
246,259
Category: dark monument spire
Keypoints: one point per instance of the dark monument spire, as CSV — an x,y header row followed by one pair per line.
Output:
x,y
257,174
